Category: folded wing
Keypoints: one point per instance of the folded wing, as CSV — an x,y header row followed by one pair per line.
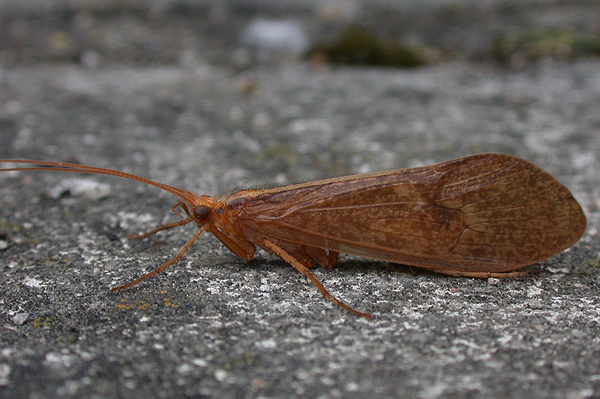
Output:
x,y
488,212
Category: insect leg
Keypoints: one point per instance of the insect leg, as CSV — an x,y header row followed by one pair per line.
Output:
x,y
318,256
333,257
323,258
165,265
304,270
169,225
156,230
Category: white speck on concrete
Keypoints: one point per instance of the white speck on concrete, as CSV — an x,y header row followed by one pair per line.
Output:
x,y
33,282
20,318
276,35
85,188
5,370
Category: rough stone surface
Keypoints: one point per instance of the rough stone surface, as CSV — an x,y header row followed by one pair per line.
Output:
x,y
216,326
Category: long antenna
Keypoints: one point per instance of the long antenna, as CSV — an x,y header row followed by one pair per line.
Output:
x,y
71,167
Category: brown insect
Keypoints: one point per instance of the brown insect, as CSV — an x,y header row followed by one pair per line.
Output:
x,y
479,216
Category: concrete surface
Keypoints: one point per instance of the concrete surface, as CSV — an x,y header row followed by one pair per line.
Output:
x,y
216,326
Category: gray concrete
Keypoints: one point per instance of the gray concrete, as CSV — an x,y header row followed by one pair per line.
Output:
x,y
216,326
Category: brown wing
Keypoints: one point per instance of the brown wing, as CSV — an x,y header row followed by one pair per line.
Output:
x,y
483,213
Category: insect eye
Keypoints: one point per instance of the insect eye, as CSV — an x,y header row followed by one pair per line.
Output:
x,y
201,211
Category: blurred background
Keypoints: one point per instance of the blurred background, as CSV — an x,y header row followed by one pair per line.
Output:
x,y
242,33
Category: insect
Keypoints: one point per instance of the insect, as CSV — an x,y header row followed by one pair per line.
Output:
x,y
480,216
